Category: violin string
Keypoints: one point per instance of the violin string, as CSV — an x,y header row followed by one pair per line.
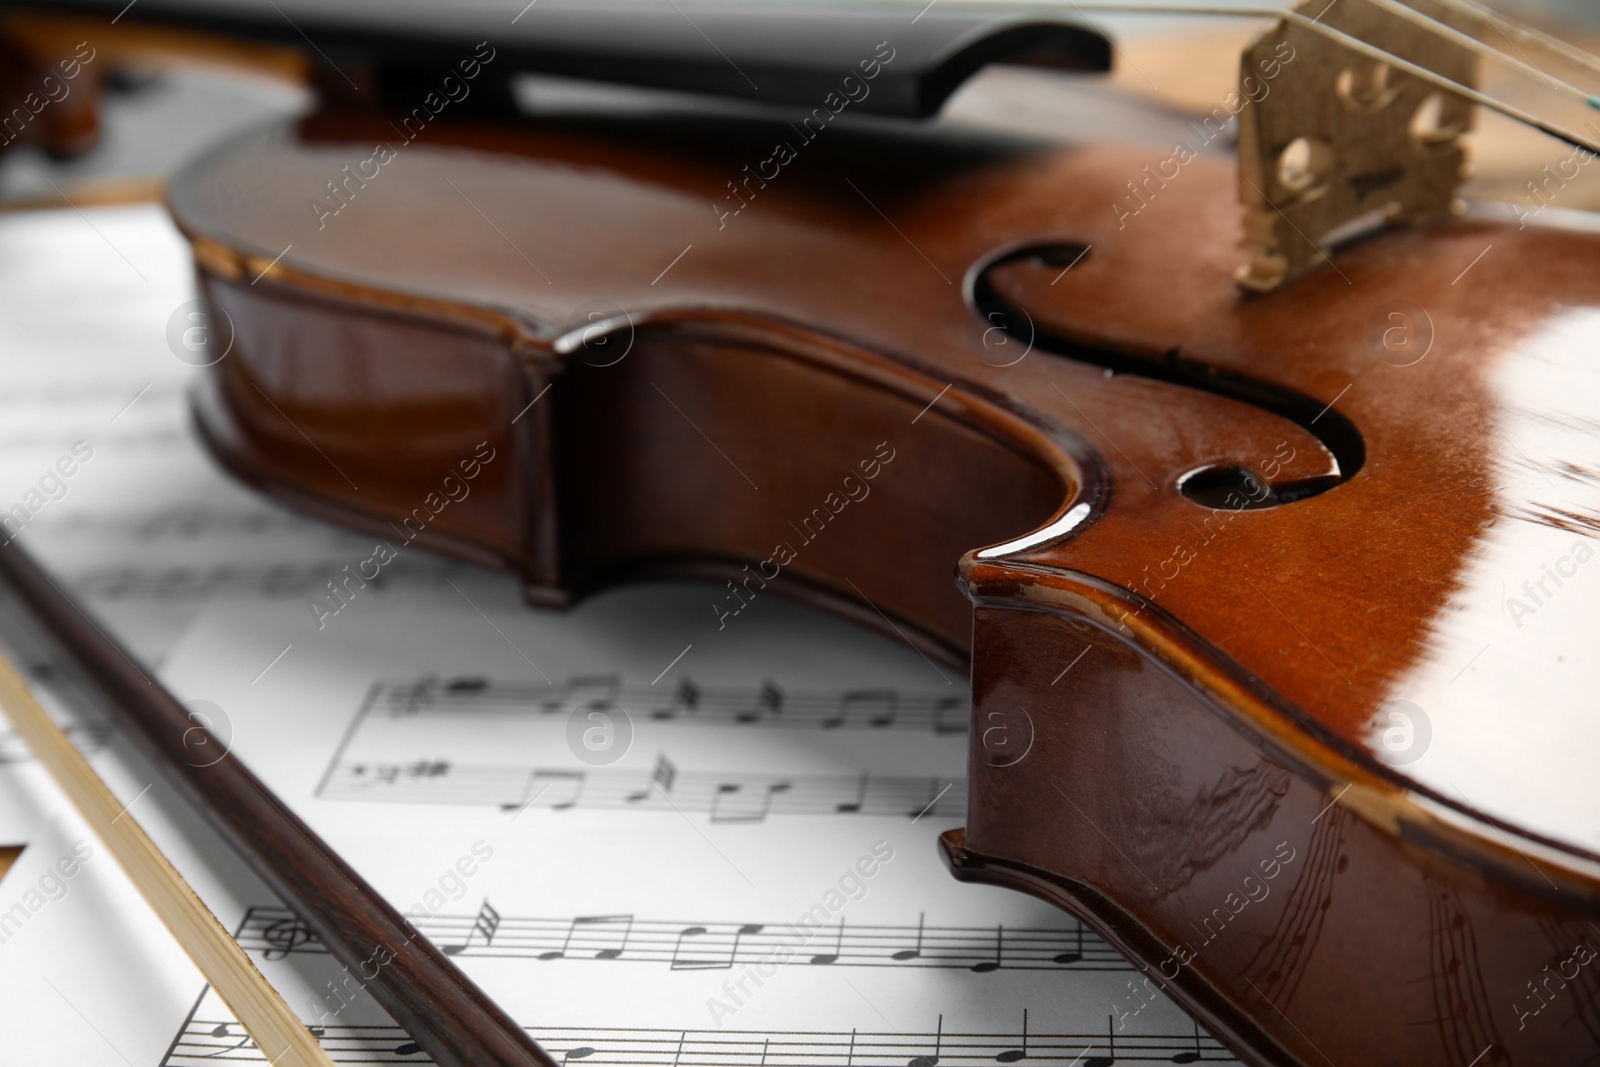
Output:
x,y
1483,48
1514,30
1356,44
1450,85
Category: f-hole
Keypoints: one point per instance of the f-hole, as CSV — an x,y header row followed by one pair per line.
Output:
x,y
1336,433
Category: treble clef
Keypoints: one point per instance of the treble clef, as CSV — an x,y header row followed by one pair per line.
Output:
x,y
284,936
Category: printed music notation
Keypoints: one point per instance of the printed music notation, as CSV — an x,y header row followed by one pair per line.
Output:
x,y
703,946
686,702
54,435
485,925
188,523
34,397
725,797
205,1041
267,579
87,737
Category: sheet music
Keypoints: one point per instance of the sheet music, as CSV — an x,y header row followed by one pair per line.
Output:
x,y
567,888
87,974
689,945
753,879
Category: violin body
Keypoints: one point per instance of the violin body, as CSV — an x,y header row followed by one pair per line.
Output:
x,y
968,389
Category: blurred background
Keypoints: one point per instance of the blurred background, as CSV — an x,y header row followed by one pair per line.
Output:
x,y
1168,68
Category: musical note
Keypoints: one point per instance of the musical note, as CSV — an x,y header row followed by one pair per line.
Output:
x,y
662,777
575,692
1190,1057
938,1047
423,768
678,963
838,949
1012,1055
221,1030
769,704
586,942
853,806
744,931
486,925
1074,956
408,700
87,737
580,1053
567,787
1111,1048
999,950
912,953
935,794
488,922
950,716
664,774
877,708
599,923
721,954
726,803
864,707
687,698
564,790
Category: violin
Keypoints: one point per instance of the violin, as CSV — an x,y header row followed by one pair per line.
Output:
x,y
1269,564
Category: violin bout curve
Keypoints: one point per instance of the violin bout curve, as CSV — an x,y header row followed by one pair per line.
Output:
x,y
1270,879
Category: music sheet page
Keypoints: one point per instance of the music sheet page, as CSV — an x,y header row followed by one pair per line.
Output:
x,y
655,829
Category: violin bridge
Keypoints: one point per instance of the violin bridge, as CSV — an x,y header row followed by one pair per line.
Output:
x,y
1342,143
